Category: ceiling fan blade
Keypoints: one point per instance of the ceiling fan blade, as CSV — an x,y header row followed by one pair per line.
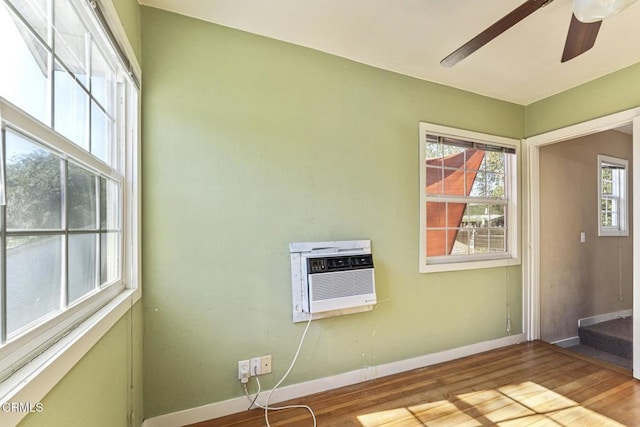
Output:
x,y
499,27
580,38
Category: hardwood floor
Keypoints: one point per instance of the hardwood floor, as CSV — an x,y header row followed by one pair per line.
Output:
x,y
526,384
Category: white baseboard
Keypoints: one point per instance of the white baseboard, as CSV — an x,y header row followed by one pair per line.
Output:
x,y
604,317
567,342
294,391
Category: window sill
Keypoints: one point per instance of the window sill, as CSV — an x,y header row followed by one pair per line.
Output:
x,y
607,233
31,383
468,265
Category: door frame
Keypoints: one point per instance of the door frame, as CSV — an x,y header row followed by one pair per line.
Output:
x,y
531,216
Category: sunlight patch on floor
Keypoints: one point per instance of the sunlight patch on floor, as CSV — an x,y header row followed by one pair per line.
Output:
x,y
435,413
395,417
526,404
494,406
536,397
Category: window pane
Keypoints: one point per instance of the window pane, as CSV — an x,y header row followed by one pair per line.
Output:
x,y
33,279
109,220
497,241
475,215
82,199
36,13
102,79
109,257
495,185
497,215
71,40
433,153
34,185
435,182
82,265
494,162
71,107
24,76
101,134
452,155
478,184
109,205
436,242
479,241
454,182
462,242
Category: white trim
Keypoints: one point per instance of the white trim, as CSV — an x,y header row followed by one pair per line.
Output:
x,y
113,20
531,329
567,342
587,321
636,248
531,284
238,404
600,124
34,381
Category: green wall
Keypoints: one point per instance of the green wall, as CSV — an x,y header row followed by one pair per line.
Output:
x,y
129,14
250,144
612,93
96,391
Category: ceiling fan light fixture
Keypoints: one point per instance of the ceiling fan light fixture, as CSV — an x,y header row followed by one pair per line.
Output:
x,y
596,10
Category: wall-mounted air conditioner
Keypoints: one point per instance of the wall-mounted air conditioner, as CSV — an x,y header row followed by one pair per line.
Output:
x,y
331,278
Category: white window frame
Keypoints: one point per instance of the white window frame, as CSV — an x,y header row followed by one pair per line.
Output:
x,y
453,263
622,197
39,358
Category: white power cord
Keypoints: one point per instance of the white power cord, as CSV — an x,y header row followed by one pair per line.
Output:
x,y
266,406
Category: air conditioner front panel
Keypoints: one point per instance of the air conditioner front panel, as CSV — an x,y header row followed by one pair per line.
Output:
x,y
341,289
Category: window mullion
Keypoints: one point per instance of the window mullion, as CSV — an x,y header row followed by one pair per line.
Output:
x,y
64,290
99,233
468,199
50,64
3,241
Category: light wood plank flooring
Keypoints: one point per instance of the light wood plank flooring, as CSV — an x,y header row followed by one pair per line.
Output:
x,y
521,385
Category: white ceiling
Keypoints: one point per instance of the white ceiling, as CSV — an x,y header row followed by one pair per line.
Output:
x,y
412,36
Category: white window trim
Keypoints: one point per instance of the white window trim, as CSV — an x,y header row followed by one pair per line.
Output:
x,y
32,382
623,215
513,205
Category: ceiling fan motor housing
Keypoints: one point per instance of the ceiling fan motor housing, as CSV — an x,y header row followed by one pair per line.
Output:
x,y
597,10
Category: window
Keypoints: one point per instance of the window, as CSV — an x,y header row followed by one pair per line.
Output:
x,y
612,196
468,209
68,113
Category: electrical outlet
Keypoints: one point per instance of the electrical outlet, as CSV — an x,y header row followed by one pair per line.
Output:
x,y
244,371
261,365
256,366
265,362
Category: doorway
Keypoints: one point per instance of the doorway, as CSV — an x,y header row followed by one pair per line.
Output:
x,y
557,319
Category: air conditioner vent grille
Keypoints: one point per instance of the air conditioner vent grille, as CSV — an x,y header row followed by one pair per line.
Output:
x,y
341,284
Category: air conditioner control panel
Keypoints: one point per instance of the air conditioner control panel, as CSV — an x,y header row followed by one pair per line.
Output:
x,y
338,263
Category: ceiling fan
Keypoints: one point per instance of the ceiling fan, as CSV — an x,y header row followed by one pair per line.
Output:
x,y
583,29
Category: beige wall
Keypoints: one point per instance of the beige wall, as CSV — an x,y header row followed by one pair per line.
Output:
x,y
579,280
